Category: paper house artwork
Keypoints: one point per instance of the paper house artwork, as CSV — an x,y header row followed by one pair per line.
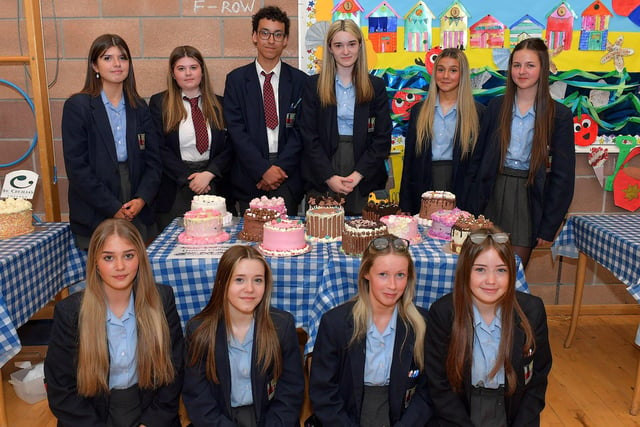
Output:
x,y
526,27
383,28
347,9
487,33
453,26
560,26
595,27
417,28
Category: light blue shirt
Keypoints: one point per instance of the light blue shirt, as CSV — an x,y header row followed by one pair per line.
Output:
x,y
118,121
444,129
519,151
379,352
346,99
486,342
240,362
122,337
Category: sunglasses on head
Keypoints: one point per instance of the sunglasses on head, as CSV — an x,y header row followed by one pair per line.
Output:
x,y
382,243
480,236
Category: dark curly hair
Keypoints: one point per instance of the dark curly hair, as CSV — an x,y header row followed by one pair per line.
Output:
x,y
272,13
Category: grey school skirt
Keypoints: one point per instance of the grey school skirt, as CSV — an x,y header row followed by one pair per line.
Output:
x,y
442,175
509,208
375,407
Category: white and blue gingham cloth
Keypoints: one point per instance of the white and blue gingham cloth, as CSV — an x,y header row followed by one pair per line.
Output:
x,y
33,269
613,241
307,285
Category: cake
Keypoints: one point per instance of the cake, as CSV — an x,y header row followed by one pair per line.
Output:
x,y
433,201
358,233
15,217
283,237
273,203
208,201
465,226
202,227
403,226
374,211
325,223
442,221
254,219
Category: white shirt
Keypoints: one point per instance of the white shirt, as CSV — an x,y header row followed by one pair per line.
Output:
x,y
187,136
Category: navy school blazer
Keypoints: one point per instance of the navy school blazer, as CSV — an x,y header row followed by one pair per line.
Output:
x,y
524,406
92,166
336,384
371,138
277,403
244,116
159,406
174,171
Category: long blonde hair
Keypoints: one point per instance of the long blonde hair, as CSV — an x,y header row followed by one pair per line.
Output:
x,y
173,111
360,74
409,314
202,343
467,122
153,354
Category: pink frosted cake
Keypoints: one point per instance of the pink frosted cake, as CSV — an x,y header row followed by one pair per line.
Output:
x,y
273,203
209,201
403,226
442,221
433,201
15,217
283,237
202,227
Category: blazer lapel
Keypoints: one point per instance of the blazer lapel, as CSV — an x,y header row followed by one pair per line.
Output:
x,y
255,112
357,358
222,364
101,119
132,138
400,367
258,381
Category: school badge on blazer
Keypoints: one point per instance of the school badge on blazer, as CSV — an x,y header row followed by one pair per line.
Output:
x,y
371,124
142,141
528,365
411,386
271,388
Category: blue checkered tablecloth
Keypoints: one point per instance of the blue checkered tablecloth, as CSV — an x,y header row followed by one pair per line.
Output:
x,y
613,241
33,269
306,285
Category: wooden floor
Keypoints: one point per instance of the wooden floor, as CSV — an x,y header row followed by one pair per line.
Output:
x,y
590,385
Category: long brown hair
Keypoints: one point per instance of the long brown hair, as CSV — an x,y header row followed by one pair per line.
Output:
x,y
173,111
467,122
360,74
93,84
544,108
461,344
153,354
202,344
408,312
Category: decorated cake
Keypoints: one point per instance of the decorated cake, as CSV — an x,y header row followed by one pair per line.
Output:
x,y
463,227
403,226
358,233
202,227
325,223
442,221
273,203
374,211
433,201
283,237
208,201
15,217
254,219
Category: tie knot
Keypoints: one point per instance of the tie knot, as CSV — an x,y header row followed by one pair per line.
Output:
x,y
267,76
193,101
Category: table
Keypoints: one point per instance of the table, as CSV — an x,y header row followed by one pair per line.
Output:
x,y
33,269
613,241
307,285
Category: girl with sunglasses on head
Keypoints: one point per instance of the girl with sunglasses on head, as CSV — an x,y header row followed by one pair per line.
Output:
x,y
442,133
368,364
243,363
523,167
488,351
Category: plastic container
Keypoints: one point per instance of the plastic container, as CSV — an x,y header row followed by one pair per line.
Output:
x,y
31,391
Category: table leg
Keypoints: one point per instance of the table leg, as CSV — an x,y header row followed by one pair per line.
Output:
x,y
3,412
577,298
635,400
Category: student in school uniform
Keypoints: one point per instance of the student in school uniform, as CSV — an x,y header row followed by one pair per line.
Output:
x,y
368,366
243,363
115,358
488,354
196,156
261,104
